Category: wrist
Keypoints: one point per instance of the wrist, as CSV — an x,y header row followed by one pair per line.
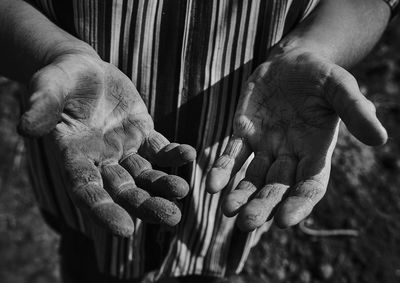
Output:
x,y
67,47
299,45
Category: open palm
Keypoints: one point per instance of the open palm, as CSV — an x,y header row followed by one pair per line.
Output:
x,y
288,116
108,142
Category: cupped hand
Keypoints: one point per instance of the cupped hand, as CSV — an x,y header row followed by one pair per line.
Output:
x,y
108,142
288,116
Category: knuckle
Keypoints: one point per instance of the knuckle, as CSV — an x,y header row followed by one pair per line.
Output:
x,y
224,162
243,126
88,195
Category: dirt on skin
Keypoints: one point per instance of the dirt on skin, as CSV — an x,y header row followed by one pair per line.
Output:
x,y
363,195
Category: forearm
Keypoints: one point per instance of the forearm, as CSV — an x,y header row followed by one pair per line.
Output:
x,y
29,40
342,31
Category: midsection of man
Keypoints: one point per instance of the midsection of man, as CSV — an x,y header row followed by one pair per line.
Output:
x,y
189,61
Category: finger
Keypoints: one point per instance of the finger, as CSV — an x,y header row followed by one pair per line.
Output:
x,y
174,154
253,181
280,177
45,105
164,210
122,188
161,184
227,165
155,182
137,202
356,111
88,194
159,150
311,182
135,164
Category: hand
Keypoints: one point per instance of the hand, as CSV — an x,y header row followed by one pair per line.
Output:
x,y
288,117
107,140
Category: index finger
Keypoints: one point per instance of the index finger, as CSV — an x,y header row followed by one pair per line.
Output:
x,y
228,164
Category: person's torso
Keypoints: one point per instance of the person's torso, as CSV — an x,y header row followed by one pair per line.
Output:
x,y
188,59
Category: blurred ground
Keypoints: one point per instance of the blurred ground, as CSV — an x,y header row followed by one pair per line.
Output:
x,y
363,195
28,248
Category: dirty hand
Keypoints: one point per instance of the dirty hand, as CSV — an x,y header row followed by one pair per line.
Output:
x,y
108,142
288,116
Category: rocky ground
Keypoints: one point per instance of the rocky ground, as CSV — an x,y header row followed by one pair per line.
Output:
x,y
363,199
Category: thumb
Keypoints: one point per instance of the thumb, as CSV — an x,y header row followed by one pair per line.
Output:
x,y
356,111
47,94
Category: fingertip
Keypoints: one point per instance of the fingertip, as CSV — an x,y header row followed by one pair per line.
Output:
x,y
363,123
245,222
113,218
383,136
161,211
292,211
252,215
231,204
187,152
371,133
284,222
380,137
131,199
216,180
172,186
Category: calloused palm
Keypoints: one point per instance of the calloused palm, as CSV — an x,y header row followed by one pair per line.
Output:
x,y
103,129
288,116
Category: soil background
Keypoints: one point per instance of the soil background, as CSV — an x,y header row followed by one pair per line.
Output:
x,y
363,197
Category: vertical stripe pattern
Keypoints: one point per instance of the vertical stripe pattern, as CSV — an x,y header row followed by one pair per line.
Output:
x,y
189,61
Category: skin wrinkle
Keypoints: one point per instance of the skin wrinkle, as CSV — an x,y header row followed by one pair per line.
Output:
x,y
126,155
293,119
162,184
278,180
238,197
123,188
243,125
225,162
136,164
337,30
314,187
99,125
88,195
114,143
156,142
271,190
237,148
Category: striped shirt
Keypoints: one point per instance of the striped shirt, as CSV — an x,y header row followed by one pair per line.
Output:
x,y
188,60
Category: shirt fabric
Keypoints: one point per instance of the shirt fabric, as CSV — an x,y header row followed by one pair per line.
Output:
x,y
188,60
